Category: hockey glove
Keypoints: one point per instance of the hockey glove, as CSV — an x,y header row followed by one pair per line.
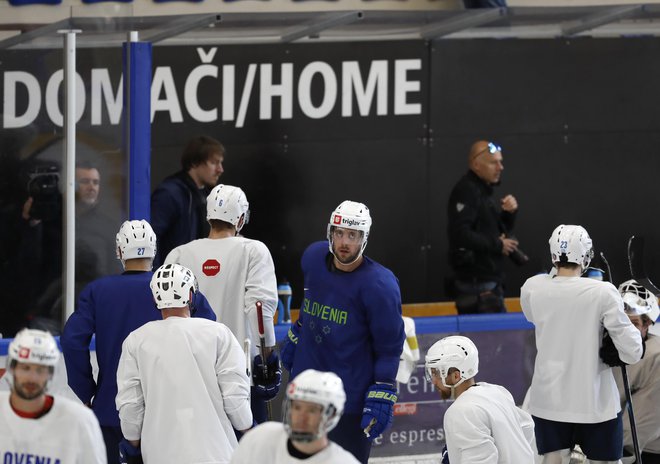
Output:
x,y
267,387
378,409
129,454
608,352
288,350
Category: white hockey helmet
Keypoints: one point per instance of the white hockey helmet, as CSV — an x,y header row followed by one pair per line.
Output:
x,y
32,346
173,286
453,351
571,244
323,388
136,239
639,300
350,215
228,203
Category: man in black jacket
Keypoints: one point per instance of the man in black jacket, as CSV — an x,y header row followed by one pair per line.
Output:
x,y
478,229
178,205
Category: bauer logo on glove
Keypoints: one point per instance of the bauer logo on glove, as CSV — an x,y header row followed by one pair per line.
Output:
x,y
378,409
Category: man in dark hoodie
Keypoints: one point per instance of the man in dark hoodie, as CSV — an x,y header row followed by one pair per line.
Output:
x,y
178,205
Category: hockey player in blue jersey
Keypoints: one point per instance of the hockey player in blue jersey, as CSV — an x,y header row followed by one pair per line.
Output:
x,y
350,324
112,307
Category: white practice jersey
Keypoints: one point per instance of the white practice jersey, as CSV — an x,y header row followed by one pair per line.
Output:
x,y
571,383
68,434
644,381
484,425
182,385
267,443
233,274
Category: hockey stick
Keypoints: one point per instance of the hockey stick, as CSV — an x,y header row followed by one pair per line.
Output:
x,y
262,349
631,415
636,261
607,266
624,371
248,358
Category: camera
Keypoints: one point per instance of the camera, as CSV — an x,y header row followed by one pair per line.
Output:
x,y
518,256
43,187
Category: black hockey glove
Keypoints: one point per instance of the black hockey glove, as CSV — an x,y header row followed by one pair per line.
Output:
x,y
608,352
129,454
288,350
267,387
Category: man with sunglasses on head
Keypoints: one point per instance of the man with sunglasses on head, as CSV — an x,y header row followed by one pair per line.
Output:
x,y
350,323
479,231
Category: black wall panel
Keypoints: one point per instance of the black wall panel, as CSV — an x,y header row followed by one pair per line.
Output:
x,y
577,119
579,128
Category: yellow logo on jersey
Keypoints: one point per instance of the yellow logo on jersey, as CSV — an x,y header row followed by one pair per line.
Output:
x,y
324,312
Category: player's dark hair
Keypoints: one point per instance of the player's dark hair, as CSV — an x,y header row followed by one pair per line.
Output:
x,y
217,225
199,150
567,265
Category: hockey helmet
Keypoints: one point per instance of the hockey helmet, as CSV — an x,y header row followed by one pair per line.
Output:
x,y
136,239
639,300
323,388
34,347
173,286
453,351
350,215
571,244
228,203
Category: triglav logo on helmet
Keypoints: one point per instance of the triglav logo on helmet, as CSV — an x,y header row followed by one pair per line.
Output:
x,y
336,219
351,222
24,353
292,388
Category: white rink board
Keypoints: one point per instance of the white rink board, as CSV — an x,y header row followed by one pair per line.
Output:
x,y
418,459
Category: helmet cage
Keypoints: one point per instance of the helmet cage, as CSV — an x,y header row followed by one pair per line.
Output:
x,y
639,300
173,286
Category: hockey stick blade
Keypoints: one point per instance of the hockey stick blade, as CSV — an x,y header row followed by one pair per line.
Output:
x,y
636,261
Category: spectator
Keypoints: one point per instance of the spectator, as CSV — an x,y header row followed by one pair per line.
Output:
x,y
178,205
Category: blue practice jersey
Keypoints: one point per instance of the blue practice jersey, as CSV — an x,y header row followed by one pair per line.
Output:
x,y
351,324
111,307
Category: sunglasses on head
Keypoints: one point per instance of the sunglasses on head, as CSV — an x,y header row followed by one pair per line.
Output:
x,y
493,148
